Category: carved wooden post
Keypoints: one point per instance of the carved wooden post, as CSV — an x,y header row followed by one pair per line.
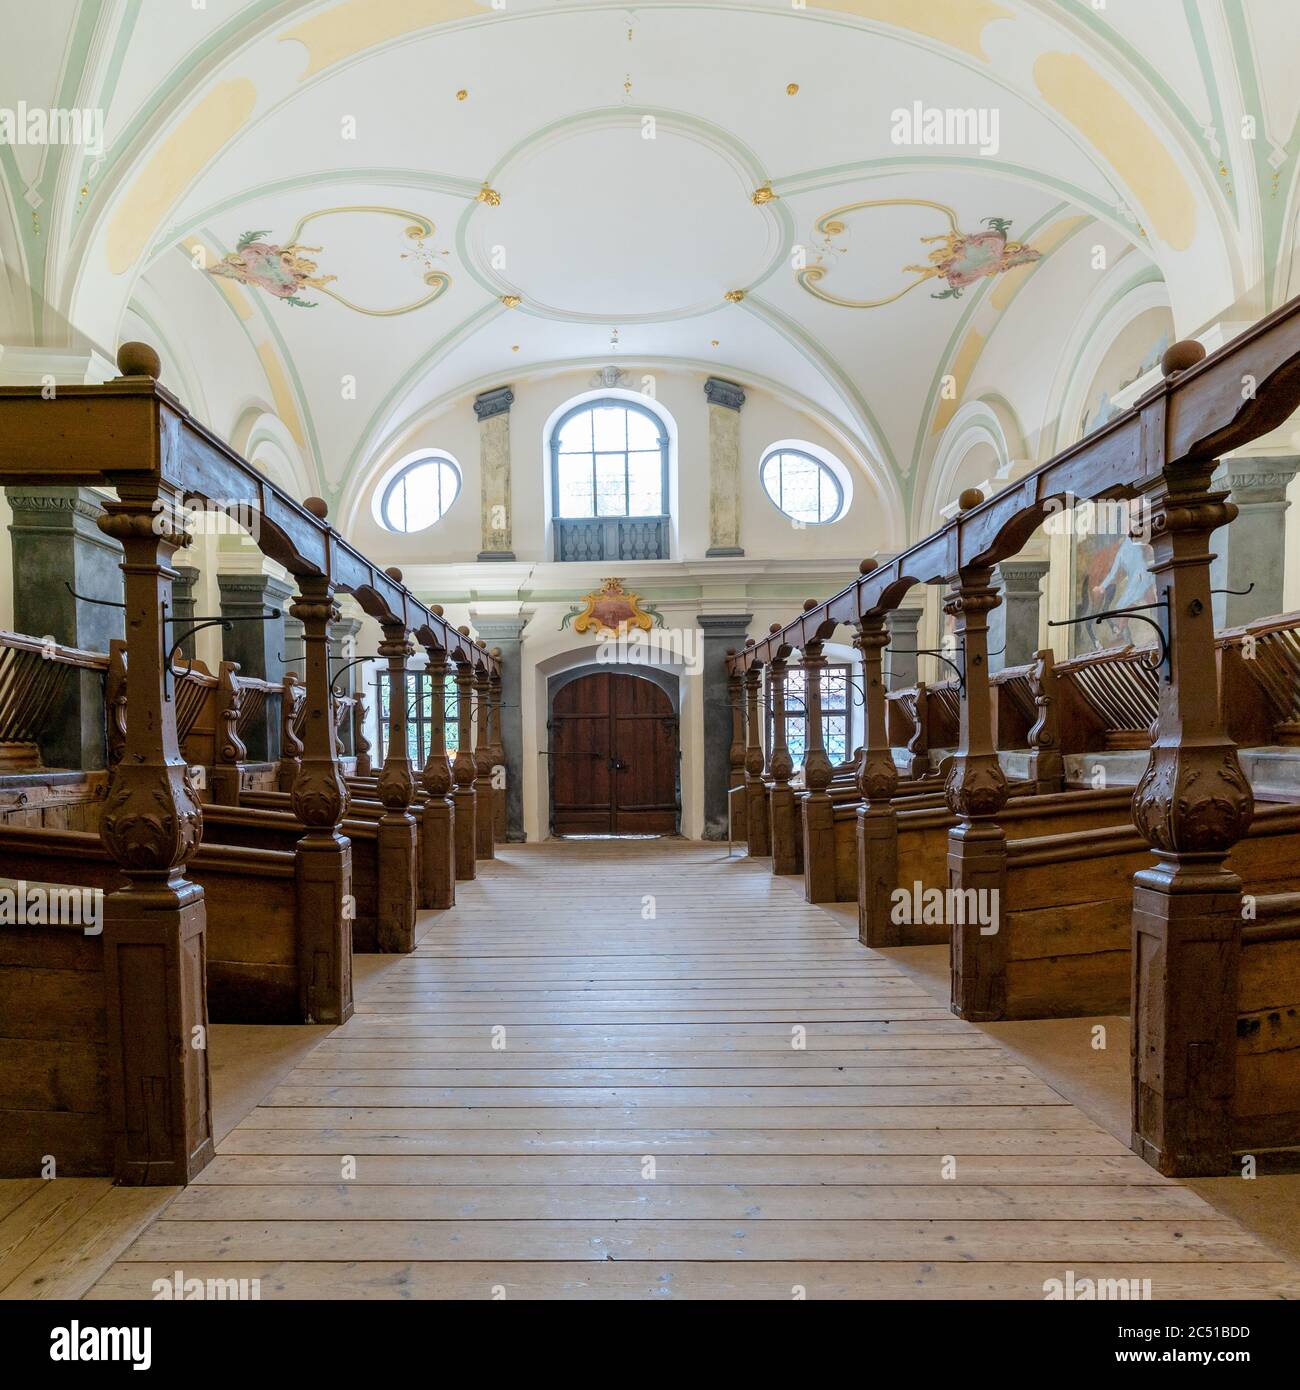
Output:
x,y
1046,765
1192,804
877,782
228,749
783,810
439,810
462,770
155,928
818,812
319,799
976,791
396,787
498,755
286,770
359,740
755,787
483,814
738,819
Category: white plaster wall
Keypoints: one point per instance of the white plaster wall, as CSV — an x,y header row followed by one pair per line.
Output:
x,y
765,532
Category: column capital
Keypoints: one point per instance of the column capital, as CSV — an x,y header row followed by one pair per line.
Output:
x,y
720,626
1259,478
1018,575
500,628
720,392
495,402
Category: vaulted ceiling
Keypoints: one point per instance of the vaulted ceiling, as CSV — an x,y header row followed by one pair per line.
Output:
x,y
358,208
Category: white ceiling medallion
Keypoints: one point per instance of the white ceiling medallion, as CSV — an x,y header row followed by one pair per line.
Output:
x,y
624,216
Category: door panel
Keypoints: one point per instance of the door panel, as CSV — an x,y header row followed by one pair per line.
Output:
x,y
613,757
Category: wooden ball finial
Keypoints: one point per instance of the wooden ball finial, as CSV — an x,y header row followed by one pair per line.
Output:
x,y
809,604
749,641
318,507
479,642
496,652
866,566
970,497
436,608
394,573
139,359
774,627
1181,355
463,630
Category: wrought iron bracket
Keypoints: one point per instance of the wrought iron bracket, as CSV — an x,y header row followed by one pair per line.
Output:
x,y
1137,611
86,598
226,625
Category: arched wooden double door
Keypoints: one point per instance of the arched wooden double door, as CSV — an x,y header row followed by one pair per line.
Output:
x,y
613,757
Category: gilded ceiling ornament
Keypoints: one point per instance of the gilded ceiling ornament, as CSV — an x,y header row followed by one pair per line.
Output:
x,y
763,195
791,88
489,196
511,301
284,271
959,258
610,611
734,296
462,94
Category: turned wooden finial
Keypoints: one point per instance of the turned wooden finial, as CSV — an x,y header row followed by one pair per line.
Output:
x,y
1187,352
970,497
496,652
463,630
479,642
394,573
436,608
139,359
317,506
809,604
775,627
749,641
866,566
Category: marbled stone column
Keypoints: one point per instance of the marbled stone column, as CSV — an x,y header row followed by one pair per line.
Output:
x,y
462,770
901,669
493,411
183,605
256,646
483,763
725,399
721,631
1253,549
507,634
1013,625
56,542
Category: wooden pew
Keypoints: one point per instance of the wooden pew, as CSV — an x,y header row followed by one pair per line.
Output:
x,y
261,966
1062,947
1265,1106
394,857
257,828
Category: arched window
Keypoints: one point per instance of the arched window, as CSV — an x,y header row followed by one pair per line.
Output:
x,y
802,486
609,482
419,493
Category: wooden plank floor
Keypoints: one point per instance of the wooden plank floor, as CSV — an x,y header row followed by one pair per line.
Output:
x,y
641,1070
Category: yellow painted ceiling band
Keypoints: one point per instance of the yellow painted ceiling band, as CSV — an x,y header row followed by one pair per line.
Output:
x,y
1109,122
179,157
